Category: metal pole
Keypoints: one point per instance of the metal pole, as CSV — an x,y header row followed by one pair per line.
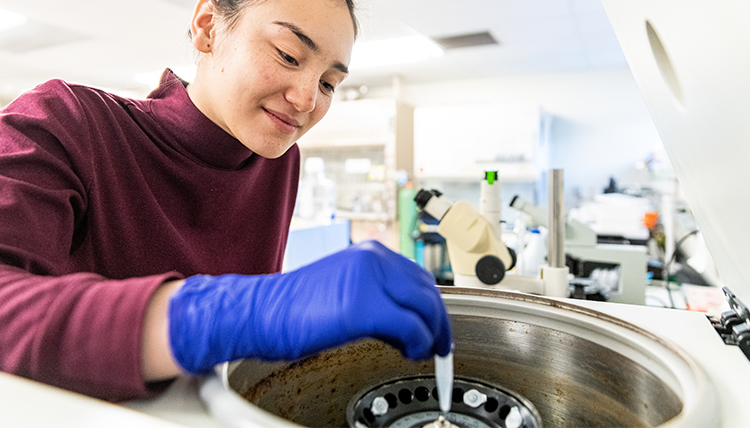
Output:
x,y
556,252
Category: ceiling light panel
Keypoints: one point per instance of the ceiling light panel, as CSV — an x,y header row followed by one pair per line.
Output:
x,y
185,3
399,50
9,20
33,35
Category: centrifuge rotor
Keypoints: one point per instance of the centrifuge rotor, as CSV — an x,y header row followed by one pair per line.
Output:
x,y
413,403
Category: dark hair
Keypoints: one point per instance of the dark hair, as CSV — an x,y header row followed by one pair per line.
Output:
x,y
230,10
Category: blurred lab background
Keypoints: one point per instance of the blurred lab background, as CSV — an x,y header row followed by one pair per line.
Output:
x,y
440,92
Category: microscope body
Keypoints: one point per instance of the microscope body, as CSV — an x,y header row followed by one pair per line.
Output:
x,y
478,257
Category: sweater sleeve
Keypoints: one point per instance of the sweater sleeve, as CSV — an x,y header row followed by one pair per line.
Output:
x,y
79,331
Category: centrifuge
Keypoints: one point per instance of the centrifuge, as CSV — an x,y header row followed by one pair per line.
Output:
x,y
532,361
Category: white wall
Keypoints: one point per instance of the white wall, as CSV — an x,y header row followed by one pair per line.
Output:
x,y
601,125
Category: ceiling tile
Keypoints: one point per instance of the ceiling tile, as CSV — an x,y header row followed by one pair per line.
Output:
x,y
106,42
35,35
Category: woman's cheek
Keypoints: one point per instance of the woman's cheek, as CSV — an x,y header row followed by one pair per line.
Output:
x,y
321,109
268,75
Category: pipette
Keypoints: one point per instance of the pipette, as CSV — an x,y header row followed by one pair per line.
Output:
x,y
444,381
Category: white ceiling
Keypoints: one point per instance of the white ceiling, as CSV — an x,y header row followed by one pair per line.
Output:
x,y
106,42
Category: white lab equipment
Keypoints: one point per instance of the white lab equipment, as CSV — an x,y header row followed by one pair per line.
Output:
x,y
580,242
316,197
478,256
534,254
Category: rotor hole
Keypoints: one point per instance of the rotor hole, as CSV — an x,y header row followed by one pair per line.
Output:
x,y
435,394
491,405
458,395
405,396
422,393
392,400
504,411
368,415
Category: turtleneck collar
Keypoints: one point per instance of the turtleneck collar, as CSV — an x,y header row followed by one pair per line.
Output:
x,y
195,132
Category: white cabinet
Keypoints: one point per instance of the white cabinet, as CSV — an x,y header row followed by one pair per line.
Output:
x,y
463,141
368,122
378,132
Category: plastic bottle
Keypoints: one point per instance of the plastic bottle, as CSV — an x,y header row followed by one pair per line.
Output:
x,y
316,197
535,253
490,203
407,221
519,227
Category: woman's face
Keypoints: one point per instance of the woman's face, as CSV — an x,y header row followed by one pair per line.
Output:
x,y
270,78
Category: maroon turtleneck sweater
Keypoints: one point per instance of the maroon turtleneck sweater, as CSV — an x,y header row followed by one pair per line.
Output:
x,y
104,198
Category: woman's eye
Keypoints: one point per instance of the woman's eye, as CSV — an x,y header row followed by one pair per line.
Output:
x,y
287,58
327,87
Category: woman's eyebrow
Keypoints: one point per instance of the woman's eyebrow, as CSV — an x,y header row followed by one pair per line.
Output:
x,y
300,35
304,38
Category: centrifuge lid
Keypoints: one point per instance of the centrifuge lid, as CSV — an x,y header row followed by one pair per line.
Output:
x,y
691,61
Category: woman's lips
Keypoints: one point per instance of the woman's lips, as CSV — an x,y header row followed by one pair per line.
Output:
x,y
283,122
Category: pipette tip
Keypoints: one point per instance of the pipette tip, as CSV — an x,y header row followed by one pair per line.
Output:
x,y
444,381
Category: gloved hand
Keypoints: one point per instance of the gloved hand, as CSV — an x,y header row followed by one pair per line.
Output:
x,y
364,291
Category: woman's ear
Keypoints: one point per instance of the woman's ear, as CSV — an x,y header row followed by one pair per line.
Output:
x,y
202,26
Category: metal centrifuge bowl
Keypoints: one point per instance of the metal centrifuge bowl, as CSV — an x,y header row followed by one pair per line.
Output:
x,y
576,366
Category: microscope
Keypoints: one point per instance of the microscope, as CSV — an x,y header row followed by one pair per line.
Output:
x,y
478,256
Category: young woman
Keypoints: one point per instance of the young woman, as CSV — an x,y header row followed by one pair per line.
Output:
x,y
142,239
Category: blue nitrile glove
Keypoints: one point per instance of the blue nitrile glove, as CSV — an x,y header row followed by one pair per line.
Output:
x,y
364,291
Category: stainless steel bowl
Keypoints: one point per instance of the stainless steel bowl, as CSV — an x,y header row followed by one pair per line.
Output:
x,y
578,367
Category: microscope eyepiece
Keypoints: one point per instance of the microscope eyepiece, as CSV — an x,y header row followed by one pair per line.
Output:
x,y
424,196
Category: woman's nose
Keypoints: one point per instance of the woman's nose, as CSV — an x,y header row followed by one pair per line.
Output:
x,y
303,94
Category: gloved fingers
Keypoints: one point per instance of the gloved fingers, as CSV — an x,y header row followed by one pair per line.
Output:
x,y
430,308
382,295
394,266
406,332
413,289
397,263
418,273
443,339
429,305
426,302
